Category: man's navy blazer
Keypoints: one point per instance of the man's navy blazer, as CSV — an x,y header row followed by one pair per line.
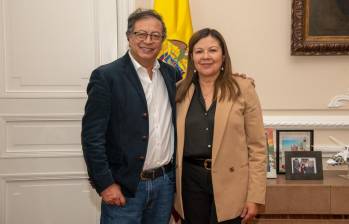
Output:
x,y
115,126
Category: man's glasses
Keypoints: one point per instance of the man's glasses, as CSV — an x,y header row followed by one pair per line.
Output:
x,y
154,36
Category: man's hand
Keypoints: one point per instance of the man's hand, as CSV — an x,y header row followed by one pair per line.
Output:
x,y
249,212
112,195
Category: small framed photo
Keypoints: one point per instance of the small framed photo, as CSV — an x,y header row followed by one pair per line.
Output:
x,y
291,140
271,161
304,165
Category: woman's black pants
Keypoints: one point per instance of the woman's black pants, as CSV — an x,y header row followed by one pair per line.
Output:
x,y
197,195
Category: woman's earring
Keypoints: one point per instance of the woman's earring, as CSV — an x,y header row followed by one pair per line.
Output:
x,y
195,71
222,68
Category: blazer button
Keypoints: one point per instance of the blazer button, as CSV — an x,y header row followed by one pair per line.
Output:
x,y
144,137
231,169
145,115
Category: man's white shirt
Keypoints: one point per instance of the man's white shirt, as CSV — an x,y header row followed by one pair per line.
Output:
x,y
161,131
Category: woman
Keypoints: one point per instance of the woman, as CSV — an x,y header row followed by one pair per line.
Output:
x,y
221,172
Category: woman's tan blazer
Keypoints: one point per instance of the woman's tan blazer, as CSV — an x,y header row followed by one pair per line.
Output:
x,y
238,152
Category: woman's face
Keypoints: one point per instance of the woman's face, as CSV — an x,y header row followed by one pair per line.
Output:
x,y
208,56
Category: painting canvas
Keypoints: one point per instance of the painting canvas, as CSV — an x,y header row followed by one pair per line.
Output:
x,y
328,18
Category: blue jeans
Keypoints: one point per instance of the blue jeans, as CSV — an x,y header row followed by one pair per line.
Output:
x,y
152,204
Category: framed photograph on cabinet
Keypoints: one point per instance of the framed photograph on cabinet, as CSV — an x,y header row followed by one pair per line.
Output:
x,y
271,155
291,140
304,165
320,27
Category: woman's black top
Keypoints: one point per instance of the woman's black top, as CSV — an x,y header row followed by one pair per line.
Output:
x,y
199,125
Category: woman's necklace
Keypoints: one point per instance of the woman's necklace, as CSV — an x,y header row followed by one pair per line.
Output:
x,y
207,92
207,95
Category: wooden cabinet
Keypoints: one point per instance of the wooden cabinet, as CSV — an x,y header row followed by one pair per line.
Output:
x,y
306,201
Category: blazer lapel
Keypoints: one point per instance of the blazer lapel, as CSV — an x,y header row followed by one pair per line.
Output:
x,y
220,121
132,76
169,85
182,110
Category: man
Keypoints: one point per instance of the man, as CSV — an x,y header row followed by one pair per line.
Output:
x,y
128,130
296,166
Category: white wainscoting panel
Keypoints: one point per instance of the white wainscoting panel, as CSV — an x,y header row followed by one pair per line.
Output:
x,y
49,56
48,199
34,136
49,48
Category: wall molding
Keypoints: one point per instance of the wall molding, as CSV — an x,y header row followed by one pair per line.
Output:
x,y
43,116
44,176
62,152
124,9
338,122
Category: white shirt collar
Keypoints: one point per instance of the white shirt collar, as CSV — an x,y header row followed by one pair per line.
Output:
x,y
138,66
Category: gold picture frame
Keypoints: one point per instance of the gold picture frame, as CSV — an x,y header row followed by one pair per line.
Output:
x,y
320,27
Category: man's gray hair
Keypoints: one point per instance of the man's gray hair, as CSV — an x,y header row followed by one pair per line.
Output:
x,y
141,14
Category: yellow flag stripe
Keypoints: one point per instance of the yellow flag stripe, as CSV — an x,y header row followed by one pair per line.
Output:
x,y
176,15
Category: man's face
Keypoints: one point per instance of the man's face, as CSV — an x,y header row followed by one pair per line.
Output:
x,y
145,41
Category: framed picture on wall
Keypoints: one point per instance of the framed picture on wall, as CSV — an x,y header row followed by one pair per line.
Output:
x,y
291,140
302,165
320,27
271,155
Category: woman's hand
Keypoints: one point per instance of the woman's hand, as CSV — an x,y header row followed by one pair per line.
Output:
x,y
249,212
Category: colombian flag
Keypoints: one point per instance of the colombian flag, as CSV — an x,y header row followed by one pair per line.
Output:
x,y
176,15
